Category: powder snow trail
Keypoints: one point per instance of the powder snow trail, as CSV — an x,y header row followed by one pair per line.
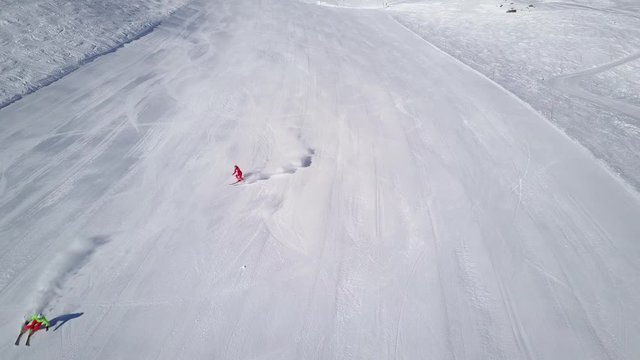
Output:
x,y
397,205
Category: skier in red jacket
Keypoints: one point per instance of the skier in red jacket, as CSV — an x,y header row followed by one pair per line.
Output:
x,y
238,173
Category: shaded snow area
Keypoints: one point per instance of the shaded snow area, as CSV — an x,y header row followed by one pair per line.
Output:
x,y
578,63
398,204
41,41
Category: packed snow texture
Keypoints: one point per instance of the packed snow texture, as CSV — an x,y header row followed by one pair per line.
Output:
x,y
575,62
398,203
41,41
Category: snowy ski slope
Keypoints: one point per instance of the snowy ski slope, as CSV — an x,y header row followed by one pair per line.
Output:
x,y
577,62
43,40
398,204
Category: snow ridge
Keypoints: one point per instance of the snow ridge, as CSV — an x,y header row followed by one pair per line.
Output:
x,y
44,41
48,80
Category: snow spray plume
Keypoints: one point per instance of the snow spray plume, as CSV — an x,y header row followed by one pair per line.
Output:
x,y
61,267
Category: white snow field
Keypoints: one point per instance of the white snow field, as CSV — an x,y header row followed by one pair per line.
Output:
x,y
577,62
398,204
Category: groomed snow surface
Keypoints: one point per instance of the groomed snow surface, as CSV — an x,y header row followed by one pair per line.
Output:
x,y
398,203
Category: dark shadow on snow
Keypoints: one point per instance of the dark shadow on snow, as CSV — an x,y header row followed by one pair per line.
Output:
x,y
62,319
308,159
305,161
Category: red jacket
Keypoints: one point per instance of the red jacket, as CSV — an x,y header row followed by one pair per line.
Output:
x,y
237,172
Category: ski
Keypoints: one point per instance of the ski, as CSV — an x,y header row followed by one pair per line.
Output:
x,y
29,338
22,331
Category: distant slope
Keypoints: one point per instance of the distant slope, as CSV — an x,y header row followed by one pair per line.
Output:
x,y
44,40
575,62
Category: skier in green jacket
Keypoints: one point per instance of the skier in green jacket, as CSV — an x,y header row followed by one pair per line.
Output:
x,y
37,322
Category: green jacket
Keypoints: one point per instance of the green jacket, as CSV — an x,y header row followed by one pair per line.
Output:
x,y
41,319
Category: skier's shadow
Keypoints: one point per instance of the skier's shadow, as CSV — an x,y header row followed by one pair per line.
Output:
x,y
62,319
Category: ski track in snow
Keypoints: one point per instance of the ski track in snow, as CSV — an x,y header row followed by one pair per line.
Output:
x,y
570,84
398,204
291,168
614,10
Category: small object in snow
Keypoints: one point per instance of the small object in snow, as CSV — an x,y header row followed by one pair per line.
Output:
x,y
244,267
238,173
511,10
531,5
